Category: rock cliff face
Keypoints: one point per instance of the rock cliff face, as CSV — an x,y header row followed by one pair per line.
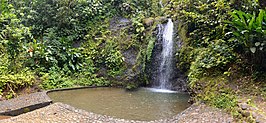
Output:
x,y
262,3
122,29
133,73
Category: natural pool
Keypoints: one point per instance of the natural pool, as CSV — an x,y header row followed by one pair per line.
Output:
x,y
144,104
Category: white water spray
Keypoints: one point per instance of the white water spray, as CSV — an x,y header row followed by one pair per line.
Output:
x,y
166,66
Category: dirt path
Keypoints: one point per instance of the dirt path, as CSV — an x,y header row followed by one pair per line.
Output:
x,y
252,108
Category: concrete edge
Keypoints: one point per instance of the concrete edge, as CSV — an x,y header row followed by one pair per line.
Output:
x,y
25,109
74,88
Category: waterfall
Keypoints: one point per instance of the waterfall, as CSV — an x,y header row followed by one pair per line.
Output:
x,y
166,65
164,75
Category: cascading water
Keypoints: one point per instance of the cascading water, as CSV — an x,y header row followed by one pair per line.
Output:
x,y
164,75
166,66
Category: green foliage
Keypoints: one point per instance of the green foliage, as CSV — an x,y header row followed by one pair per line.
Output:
x,y
58,79
185,57
249,30
131,86
67,17
210,48
15,81
47,54
42,35
138,27
55,79
212,45
113,59
150,48
134,7
103,48
206,51
216,56
204,19
13,35
215,92
3,61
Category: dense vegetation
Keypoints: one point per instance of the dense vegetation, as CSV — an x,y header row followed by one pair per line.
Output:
x,y
65,43
223,49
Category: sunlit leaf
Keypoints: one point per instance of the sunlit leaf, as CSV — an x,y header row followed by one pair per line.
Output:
x,y
253,49
257,44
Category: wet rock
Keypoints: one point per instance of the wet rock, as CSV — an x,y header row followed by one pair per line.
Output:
x,y
258,120
239,101
246,113
262,3
148,21
118,23
255,115
244,106
253,108
130,56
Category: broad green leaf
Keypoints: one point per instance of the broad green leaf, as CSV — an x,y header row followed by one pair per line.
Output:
x,y
250,25
242,19
260,18
237,34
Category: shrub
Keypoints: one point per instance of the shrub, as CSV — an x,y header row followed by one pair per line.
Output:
x,y
57,79
215,92
248,34
12,82
209,60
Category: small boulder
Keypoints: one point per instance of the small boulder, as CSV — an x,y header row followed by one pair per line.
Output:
x,y
259,120
246,113
1,98
148,21
161,19
244,106
253,108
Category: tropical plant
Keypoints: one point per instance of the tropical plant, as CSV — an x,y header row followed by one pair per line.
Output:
x,y
13,34
249,36
249,29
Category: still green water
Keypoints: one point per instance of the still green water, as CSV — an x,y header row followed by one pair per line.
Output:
x,y
144,104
